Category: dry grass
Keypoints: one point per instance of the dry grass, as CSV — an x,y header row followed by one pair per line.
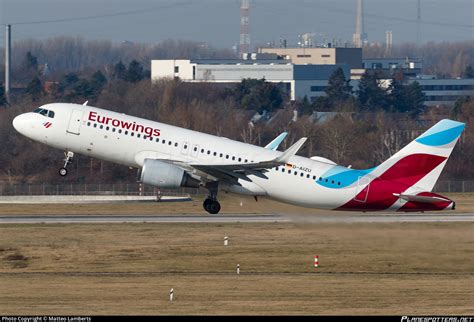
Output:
x,y
403,269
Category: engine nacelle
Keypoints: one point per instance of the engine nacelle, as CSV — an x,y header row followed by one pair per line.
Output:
x,y
165,175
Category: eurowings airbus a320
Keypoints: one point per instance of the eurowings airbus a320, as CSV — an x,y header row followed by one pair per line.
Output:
x,y
172,157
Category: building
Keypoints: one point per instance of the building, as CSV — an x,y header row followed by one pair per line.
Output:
x,y
444,91
319,55
297,80
387,67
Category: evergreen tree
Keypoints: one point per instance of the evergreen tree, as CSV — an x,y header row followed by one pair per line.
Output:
x,y
31,62
338,88
3,99
416,99
370,95
35,89
134,72
120,71
468,72
98,81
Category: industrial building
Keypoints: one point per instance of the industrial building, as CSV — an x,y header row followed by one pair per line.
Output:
x,y
444,91
297,80
387,67
319,55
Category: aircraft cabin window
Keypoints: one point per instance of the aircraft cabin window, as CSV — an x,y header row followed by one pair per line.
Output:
x,y
233,158
185,146
282,169
113,129
202,150
195,149
95,124
289,171
176,144
169,142
320,178
163,141
101,127
88,123
138,135
240,159
227,156
221,155
107,128
215,153
157,140
132,133
307,176
296,173
246,160
120,131
51,114
208,152
126,132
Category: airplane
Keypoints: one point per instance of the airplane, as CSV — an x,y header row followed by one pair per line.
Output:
x,y
171,157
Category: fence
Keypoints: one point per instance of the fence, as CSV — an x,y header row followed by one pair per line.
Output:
x,y
137,189
131,189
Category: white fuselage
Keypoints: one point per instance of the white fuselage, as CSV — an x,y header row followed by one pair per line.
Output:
x,y
100,134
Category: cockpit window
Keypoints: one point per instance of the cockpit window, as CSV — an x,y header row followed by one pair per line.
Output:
x,y
44,112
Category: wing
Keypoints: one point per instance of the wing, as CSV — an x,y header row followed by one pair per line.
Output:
x,y
231,173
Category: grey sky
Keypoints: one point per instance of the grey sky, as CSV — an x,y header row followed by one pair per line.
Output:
x,y
217,21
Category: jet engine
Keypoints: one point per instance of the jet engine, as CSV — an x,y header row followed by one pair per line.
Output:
x,y
164,175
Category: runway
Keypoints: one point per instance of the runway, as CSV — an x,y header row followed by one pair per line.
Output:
x,y
236,218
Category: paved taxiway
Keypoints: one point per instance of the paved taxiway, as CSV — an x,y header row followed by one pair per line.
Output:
x,y
237,218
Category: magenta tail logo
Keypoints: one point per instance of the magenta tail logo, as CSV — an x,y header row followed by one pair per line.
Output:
x,y
47,124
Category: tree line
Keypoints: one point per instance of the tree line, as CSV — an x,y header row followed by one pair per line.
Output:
x,y
361,140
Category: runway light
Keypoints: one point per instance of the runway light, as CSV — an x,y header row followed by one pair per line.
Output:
x,y
316,261
171,295
226,241
238,269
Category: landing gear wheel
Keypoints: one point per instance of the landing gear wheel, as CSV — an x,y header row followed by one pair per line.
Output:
x,y
68,155
212,206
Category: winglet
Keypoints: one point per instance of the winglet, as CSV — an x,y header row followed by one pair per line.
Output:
x,y
276,141
291,151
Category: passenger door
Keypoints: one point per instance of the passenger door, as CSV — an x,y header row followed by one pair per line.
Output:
x,y
74,126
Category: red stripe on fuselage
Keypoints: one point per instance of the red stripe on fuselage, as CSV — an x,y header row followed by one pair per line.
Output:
x,y
398,178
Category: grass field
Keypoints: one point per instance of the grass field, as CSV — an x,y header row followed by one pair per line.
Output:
x,y
402,269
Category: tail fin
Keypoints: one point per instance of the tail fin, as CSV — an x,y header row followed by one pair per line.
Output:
x,y
422,160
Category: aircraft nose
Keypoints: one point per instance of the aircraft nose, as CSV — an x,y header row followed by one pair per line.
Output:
x,y
20,123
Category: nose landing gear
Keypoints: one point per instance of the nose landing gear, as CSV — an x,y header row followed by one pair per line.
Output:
x,y
68,155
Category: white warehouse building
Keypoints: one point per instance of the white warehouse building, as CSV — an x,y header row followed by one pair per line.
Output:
x,y
297,80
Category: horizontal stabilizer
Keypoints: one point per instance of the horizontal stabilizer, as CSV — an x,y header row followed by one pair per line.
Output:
x,y
418,198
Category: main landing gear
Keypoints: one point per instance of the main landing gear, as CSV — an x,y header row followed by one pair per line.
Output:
x,y
68,155
211,205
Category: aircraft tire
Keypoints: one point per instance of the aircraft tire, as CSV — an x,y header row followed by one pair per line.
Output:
x,y
63,172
